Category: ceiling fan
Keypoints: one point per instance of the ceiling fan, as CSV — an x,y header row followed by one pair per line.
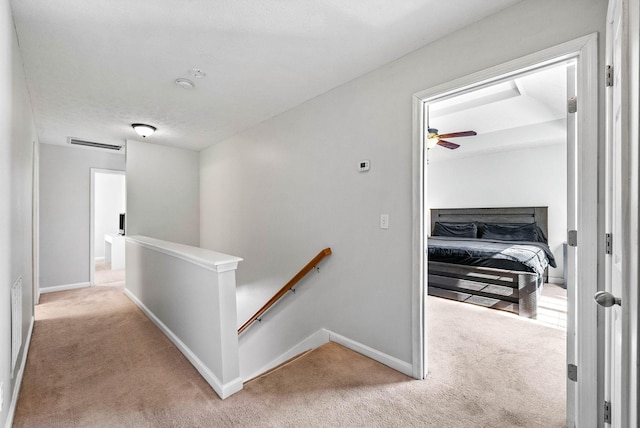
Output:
x,y
433,138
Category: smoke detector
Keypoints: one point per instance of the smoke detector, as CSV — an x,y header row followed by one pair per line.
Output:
x,y
197,73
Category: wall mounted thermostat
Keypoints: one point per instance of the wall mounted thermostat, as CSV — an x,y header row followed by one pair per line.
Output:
x,y
363,166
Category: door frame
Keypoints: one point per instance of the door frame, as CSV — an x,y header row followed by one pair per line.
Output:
x,y
634,136
585,51
92,221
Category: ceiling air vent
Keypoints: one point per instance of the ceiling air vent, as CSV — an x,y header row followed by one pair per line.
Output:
x,y
85,143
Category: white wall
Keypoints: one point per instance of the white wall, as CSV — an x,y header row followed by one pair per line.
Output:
x,y
65,210
17,136
276,194
163,193
532,177
110,201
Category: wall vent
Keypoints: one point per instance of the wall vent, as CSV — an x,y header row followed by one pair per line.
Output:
x,y
85,143
16,322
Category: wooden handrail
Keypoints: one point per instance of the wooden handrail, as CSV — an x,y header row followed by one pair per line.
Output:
x,y
288,286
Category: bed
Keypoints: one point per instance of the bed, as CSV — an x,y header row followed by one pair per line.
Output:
x,y
493,257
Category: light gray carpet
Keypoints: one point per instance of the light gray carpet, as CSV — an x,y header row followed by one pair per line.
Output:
x,y
97,361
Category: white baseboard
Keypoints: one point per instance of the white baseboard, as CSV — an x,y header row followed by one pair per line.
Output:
x,y
224,390
374,354
56,288
323,336
16,387
555,280
314,341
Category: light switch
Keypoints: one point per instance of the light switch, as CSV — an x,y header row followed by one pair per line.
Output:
x,y
384,221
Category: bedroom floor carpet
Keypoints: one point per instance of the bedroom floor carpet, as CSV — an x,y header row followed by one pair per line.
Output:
x,y
97,361
552,306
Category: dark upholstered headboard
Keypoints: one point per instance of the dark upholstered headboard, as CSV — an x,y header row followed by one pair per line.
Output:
x,y
492,215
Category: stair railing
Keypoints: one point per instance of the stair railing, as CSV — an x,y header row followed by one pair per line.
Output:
x,y
286,288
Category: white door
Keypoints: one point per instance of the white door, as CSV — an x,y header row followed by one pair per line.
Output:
x,y
617,222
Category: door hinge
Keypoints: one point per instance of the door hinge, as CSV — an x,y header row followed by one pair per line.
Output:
x,y
572,104
572,372
608,243
608,76
572,238
607,412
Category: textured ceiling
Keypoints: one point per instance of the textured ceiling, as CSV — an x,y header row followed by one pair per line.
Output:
x,y
94,67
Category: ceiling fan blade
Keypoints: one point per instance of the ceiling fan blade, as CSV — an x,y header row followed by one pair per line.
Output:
x,y
448,144
459,134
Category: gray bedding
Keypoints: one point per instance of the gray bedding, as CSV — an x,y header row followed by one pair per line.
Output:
x,y
510,255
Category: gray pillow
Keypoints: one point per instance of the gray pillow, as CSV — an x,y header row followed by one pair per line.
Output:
x,y
529,232
459,230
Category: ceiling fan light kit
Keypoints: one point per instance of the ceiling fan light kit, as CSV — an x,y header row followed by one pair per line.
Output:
x,y
432,139
143,130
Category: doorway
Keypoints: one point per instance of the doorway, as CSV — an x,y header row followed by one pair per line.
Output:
x,y
516,161
517,158
108,206
581,166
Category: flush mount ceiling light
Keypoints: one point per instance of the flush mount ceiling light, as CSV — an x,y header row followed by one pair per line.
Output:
x,y
185,83
143,130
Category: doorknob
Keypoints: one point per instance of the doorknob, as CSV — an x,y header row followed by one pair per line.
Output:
x,y
606,299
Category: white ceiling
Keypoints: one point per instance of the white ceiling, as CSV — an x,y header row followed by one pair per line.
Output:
x,y
527,111
94,67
